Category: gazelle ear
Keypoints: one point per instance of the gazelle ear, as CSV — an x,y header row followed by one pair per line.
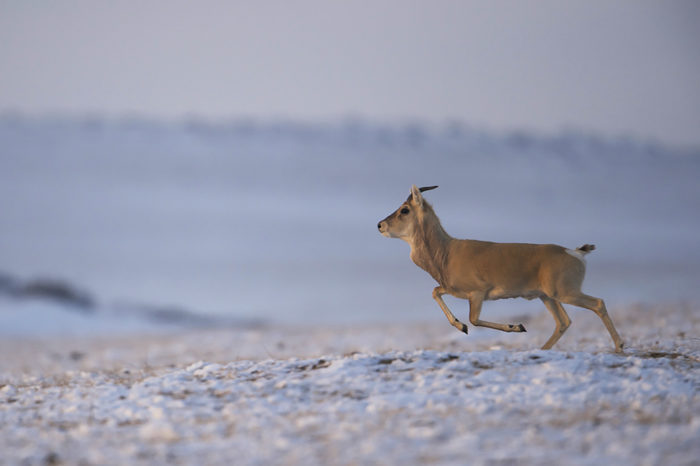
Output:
x,y
416,196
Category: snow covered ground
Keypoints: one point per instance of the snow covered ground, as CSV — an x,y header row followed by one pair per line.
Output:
x,y
217,293
350,394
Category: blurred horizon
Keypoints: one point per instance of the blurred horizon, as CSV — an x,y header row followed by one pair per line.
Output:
x,y
418,126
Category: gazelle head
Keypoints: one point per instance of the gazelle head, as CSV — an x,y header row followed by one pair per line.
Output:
x,y
401,223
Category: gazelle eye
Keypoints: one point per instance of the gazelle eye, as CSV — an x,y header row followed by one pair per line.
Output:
x,y
405,210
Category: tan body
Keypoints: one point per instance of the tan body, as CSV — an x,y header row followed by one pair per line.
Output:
x,y
482,270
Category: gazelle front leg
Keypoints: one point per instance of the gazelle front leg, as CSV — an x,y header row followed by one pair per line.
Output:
x,y
475,310
437,296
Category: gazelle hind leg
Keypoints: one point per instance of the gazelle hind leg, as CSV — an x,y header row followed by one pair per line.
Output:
x,y
596,305
560,317
475,311
437,296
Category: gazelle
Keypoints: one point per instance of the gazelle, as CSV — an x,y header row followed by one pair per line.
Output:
x,y
480,270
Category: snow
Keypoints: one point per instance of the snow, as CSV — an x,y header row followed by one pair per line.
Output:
x,y
243,308
408,393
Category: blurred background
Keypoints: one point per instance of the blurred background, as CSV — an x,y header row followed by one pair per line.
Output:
x,y
179,164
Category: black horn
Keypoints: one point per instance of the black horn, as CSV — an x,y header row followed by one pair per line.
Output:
x,y
424,188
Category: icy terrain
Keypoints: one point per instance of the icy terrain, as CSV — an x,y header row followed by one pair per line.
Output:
x,y
201,293
405,393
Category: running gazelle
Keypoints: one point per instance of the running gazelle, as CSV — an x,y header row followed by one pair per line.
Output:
x,y
481,270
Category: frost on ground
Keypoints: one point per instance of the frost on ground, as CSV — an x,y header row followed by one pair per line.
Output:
x,y
403,393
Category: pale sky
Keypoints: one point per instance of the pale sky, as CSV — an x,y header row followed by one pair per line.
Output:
x,y
612,67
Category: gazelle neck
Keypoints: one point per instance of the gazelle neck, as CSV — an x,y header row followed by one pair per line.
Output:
x,y
430,245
